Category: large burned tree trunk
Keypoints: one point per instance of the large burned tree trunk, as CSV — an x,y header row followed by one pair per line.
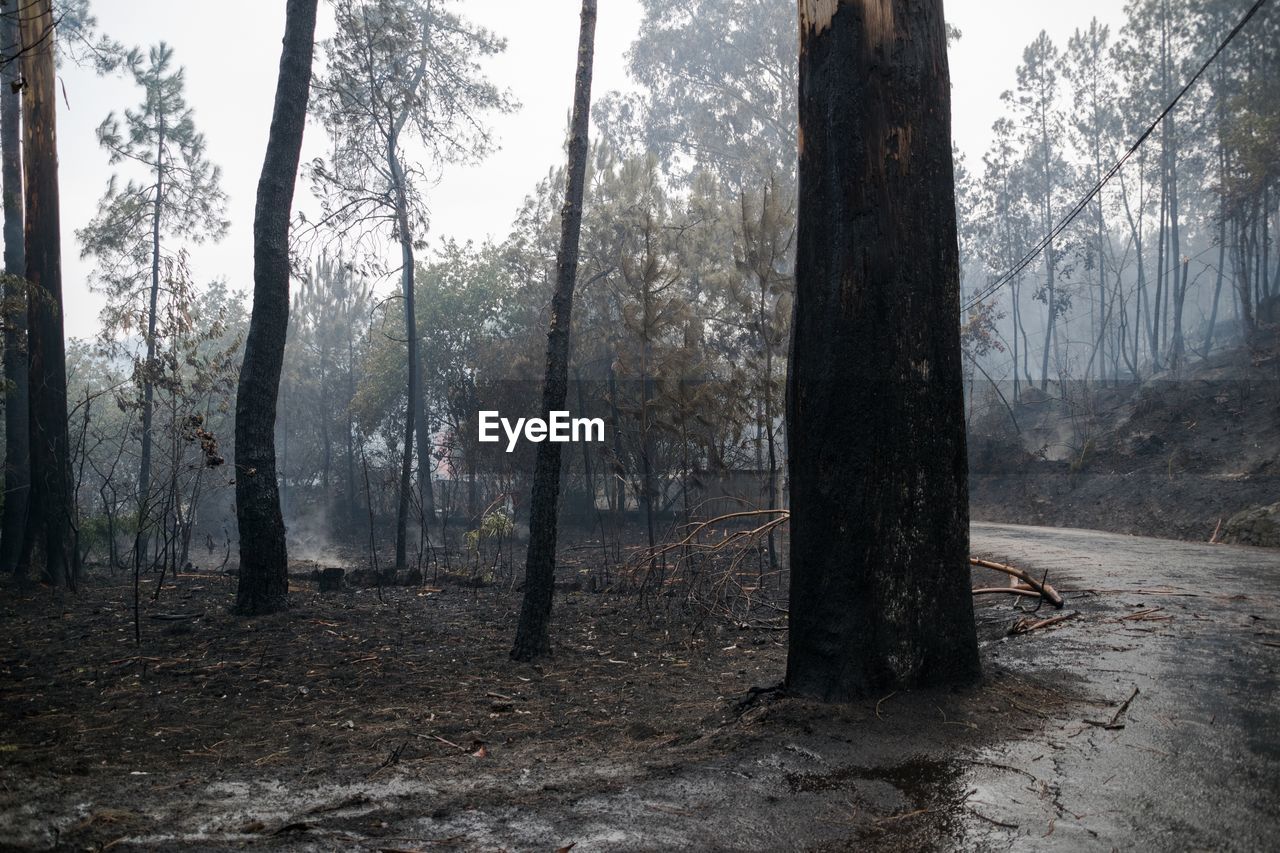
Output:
x,y
879,577
532,634
264,582
17,448
48,546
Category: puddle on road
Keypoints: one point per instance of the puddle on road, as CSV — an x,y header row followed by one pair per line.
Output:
x,y
919,799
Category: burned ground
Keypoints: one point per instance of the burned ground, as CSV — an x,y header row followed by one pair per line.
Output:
x,y
400,724
357,692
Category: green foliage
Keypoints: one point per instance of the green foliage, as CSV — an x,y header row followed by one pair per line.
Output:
x,y
718,82
398,72
327,343
178,195
494,525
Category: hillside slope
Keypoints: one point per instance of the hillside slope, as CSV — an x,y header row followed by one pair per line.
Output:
x,y
1174,456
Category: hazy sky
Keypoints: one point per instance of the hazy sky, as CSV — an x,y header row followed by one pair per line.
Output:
x,y
231,51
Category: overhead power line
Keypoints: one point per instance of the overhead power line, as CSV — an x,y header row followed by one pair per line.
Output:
x,y
1079,206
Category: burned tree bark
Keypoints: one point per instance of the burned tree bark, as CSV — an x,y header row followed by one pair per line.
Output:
x,y
879,577
17,446
532,634
264,582
415,420
48,545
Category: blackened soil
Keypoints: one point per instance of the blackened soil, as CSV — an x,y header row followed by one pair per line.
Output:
x,y
398,722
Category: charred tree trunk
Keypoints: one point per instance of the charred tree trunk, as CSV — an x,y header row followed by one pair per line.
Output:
x,y
17,438
1140,286
1051,293
416,425
875,411
411,337
1178,285
326,442
264,581
48,546
1217,285
148,387
353,502
1100,237
533,635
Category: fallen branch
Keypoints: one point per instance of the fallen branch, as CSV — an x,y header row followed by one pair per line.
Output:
x,y
1042,588
977,813
1006,590
717,576
1023,626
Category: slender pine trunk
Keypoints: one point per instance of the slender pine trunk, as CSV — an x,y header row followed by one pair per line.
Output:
x,y
353,502
533,633
264,580
411,337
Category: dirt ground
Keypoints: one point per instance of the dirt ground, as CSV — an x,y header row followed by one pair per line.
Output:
x,y
400,724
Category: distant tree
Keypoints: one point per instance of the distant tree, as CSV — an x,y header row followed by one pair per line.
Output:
x,y
1171,150
80,42
330,313
532,633
1151,55
1004,222
264,579
651,313
466,301
1039,116
1094,129
49,543
718,89
194,375
1215,18
180,198
880,593
401,71
979,327
78,38
765,241
1250,186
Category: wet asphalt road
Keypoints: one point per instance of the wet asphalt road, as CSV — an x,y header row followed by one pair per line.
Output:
x,y
1196,629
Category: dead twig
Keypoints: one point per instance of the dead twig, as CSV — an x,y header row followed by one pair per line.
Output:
x,y
1114,722
1148,615
977,813
894,818
1025,626
1115,718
